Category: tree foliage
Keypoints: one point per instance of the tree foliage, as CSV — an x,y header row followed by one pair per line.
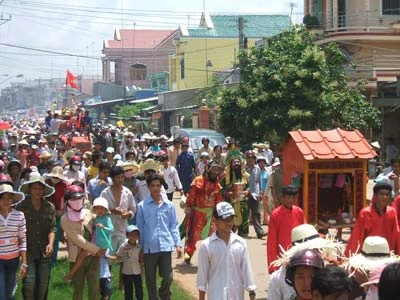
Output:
x,y
131,110
293,83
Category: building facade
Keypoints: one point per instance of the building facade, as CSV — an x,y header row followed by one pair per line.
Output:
x,y
212,48
134,56
368,31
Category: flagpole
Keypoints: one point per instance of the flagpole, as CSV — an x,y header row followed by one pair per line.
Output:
x,y
66,93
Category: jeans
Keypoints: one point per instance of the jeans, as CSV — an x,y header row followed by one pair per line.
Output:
x,y
36,283
89,271
162,260
8,277
105,288
129,282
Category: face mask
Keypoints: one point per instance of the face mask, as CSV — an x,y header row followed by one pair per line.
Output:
x,y
129,174
55,180
76,204
76,168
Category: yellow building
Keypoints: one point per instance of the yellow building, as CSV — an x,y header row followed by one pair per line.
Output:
x,y
368,31
212,48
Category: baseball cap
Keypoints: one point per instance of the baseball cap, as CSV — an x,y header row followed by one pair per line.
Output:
x,y
110,150
131,228
224,210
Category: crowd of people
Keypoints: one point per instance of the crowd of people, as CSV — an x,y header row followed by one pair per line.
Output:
x,y
112,205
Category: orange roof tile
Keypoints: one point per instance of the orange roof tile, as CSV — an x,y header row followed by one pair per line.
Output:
x,y
139,38
336,143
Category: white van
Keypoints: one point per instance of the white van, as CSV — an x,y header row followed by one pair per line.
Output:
x,y
195,135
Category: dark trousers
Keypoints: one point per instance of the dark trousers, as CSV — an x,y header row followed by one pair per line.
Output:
x,y
89,271
105,287
170,196
129,282
254,207
162,260
8,277
36,283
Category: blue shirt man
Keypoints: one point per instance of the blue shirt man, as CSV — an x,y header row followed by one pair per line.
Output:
x,y
186,167
159,235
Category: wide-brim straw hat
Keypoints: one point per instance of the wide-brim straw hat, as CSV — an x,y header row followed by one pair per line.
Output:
x,y
150,164
7,188
305,236
23,142
57,172
261,145
130,165
375,274
36,178
375,251
45,154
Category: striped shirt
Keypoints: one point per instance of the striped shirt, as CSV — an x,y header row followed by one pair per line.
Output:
x,y
12,235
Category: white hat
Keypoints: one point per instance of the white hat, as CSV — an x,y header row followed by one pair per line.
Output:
x,y
276,162
204,154
37,178
57,172
224,210
305,236
375,251
100,201
7,188
110,150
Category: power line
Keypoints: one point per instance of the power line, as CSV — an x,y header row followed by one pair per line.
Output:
x,y
49,51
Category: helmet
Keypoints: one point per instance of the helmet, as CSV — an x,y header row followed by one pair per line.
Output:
x,y
100,201
73,191
6,179
75,160
305,257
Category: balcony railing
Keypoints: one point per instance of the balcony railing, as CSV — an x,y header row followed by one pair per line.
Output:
x,y
357,21
374,66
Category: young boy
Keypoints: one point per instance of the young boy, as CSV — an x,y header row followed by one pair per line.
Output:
x,y
222,251
201,165
132,263
300,272
103,231
171,177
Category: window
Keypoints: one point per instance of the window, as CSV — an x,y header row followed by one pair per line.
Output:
x,y
390,7
138,72
182,68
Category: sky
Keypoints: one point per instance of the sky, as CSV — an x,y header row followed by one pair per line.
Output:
x,y
79,27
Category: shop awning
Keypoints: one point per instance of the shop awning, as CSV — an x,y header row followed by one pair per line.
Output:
x,y
176,108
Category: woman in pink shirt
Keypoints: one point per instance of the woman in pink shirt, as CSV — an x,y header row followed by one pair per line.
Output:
x,y
12,240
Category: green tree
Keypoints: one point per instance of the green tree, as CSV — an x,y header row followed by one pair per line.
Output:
x,y
130,110
293,83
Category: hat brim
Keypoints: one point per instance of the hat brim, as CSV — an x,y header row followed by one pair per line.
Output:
x,y
50,175
127,167
17,196
364,264
329,249
150,166
48,190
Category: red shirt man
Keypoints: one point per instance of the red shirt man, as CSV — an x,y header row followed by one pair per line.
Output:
x,y
379,219
282,220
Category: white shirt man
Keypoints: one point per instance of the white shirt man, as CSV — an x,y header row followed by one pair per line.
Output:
x,y
224,265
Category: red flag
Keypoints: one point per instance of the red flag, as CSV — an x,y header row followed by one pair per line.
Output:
x,y
70,80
